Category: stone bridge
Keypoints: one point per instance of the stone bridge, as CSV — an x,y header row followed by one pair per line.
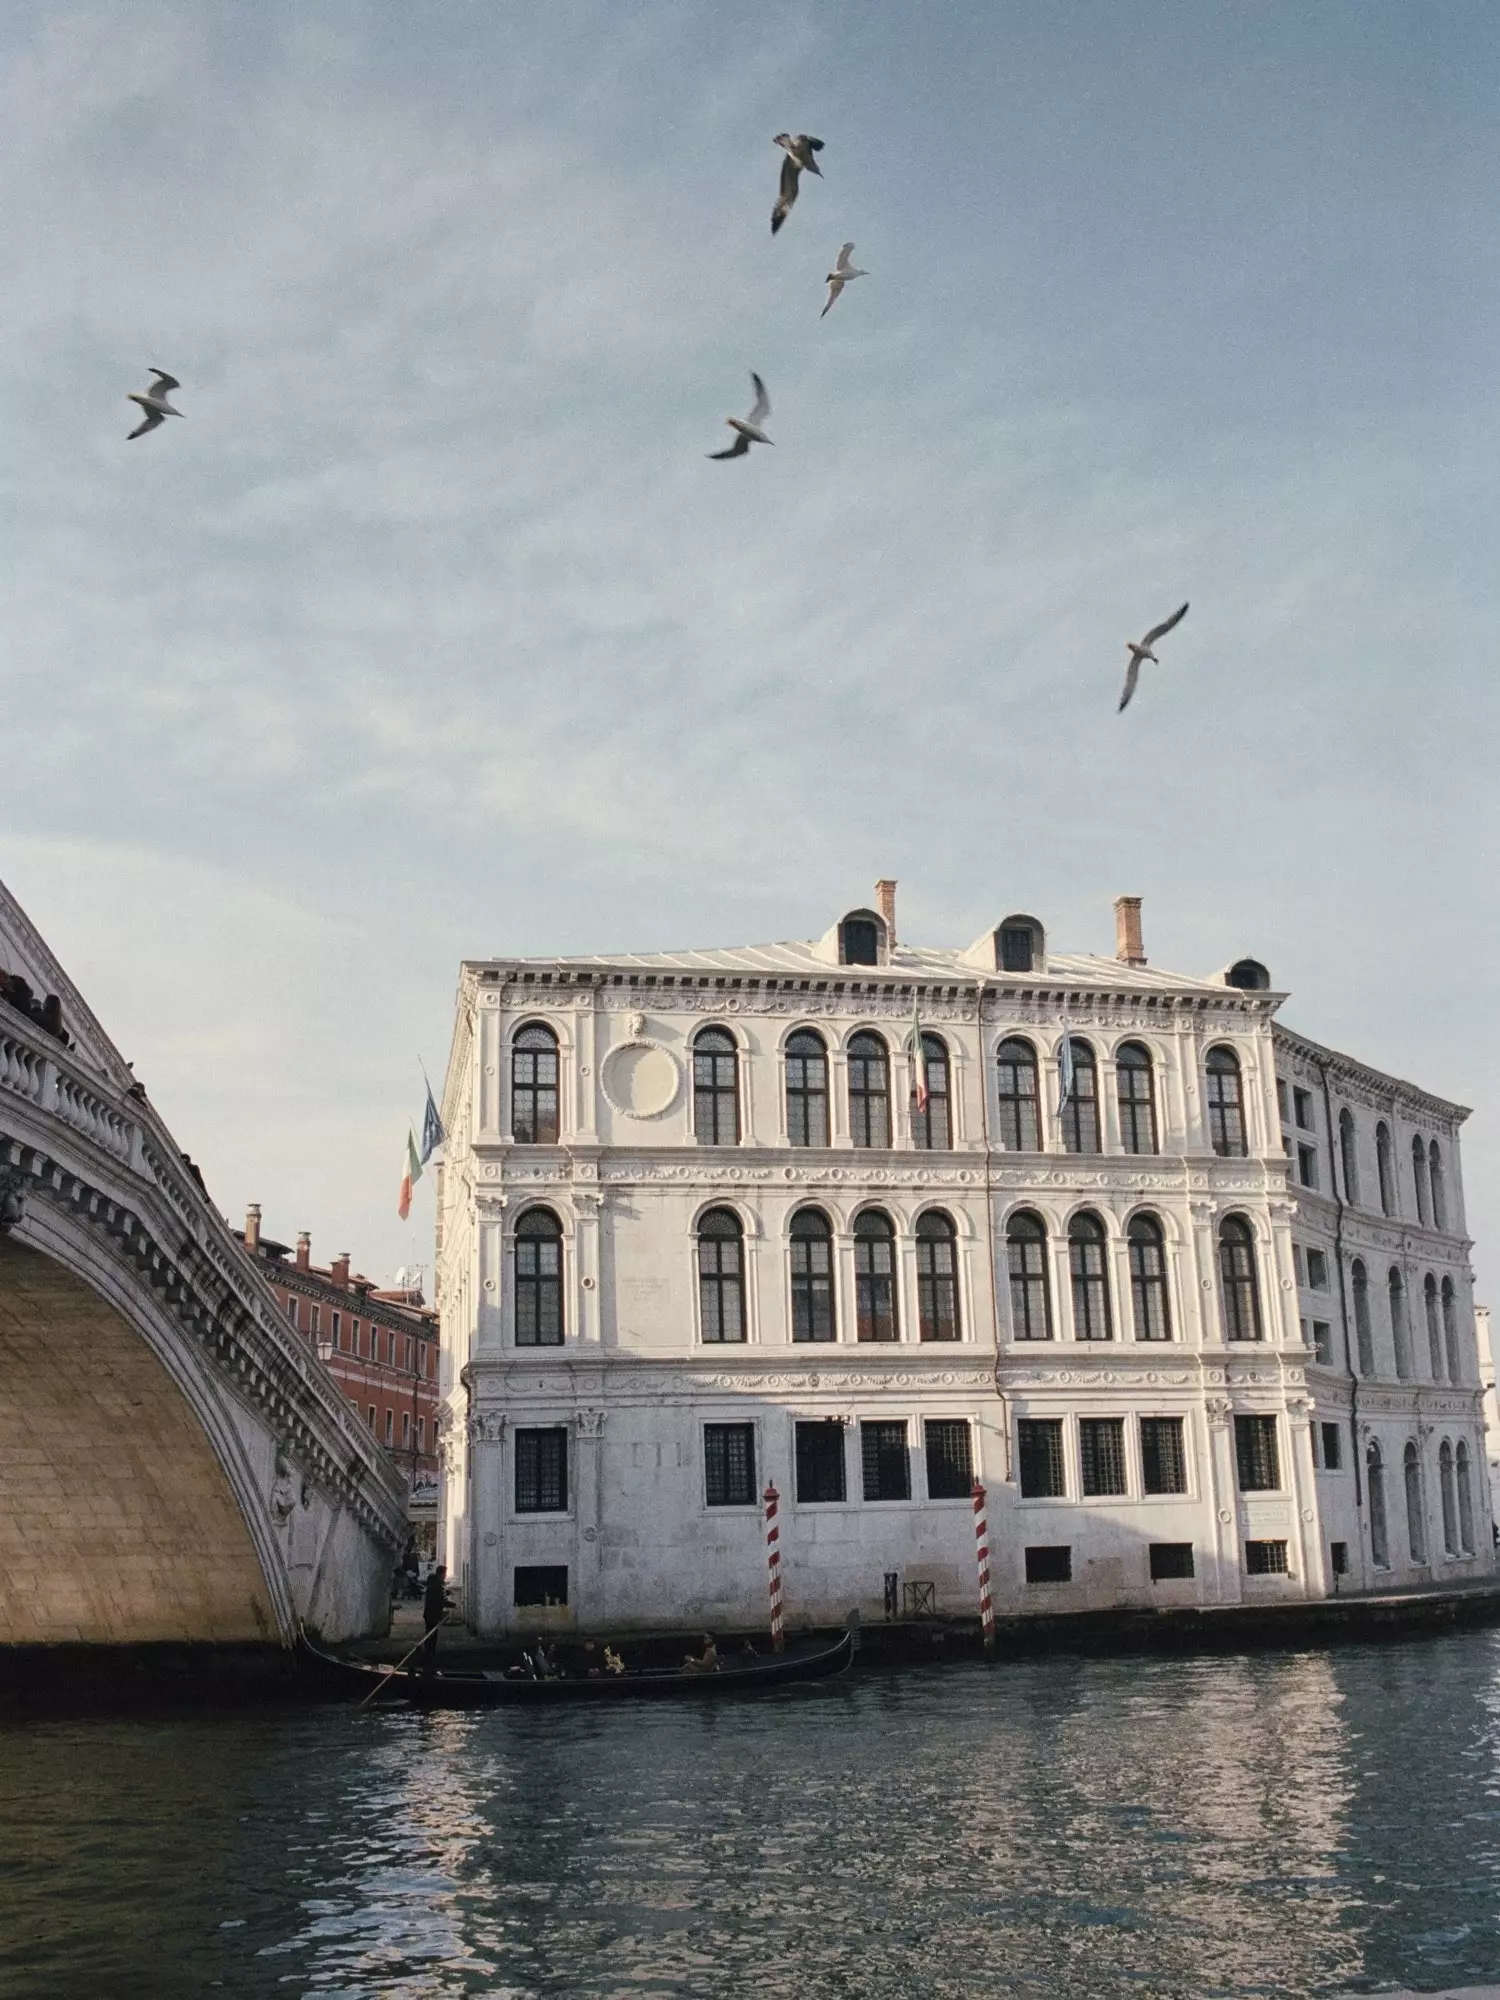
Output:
x,y
175,1463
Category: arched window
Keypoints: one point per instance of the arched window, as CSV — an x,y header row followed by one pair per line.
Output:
x,y
1226,1109
1348,1156
806,1089
874,1277
1237,1286
1148,1279
1364,1338
539,1300
1450,1331
1383,1168
1434,1330
1448,1496
533,1086
937,1277
1030,1295
1136,1098
1380,1547
1020,1129
1086,1267
931,1122
869,1091
1080,1104
812,1276
1416,1525
1400,1333
721,1275
1419,1179
861,936
716,1088
1436,1189
1465,1501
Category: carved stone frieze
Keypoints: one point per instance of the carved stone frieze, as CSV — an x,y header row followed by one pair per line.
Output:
x,y
486,1427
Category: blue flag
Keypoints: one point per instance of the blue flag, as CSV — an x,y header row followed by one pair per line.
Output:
x,y
432,1125
1064,1072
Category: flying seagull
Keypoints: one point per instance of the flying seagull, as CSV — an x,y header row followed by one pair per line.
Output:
x,y
840,275
154,402
799,161
748,429
1142,651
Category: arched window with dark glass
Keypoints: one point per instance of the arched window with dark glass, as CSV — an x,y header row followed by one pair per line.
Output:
x,y
1136,1098
869,1091
1080,1104
860,938
1450,1330
1090,1278
721,1275
1030,1294
533,1086
1226,1102
716,1088
1400,1332
538,1265
1434,1327
1419,1179
1349,1156
1364,1338
812,1275
1465,1500
1019,1126
932,1121
937,1276
1237,1286
1380,1547
1148,1278
1416,1513
806,1089
1448,1498
1383,1169
875,1277
1436,1189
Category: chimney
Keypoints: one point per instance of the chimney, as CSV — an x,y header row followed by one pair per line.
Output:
x,y
304,1250
1128,948
252,1226
338,1271
885,902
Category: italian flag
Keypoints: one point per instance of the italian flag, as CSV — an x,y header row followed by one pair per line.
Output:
x,y
411,1175
918,1061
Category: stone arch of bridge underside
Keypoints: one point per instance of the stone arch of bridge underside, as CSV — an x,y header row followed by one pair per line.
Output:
x,y
118,1522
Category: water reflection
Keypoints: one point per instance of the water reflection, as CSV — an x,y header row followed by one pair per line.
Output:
x,y
1320,1823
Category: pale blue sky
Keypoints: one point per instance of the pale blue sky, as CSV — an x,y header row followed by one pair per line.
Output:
x,y
431,631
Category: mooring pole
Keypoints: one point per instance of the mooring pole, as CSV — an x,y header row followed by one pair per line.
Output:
x,y
982,1552
773,1566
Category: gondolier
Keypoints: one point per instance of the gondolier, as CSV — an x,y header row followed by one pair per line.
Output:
x,y
436,1605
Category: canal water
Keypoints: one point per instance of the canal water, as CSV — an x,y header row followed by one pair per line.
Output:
x,y
1322,1822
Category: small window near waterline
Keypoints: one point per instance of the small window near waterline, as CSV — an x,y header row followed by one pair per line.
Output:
x,y
540,1584
1049,1563
1265,1559
1170,1560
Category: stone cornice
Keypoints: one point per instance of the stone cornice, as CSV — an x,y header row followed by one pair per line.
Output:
x,y
1373,1088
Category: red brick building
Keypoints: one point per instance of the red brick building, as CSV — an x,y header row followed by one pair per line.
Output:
x,y
380,1346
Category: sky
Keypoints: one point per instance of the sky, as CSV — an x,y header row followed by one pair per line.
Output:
x,y
431,632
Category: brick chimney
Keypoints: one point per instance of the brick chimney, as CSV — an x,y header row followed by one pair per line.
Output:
x,y
252,1226
304,1250
1128,947
338,1271
885,902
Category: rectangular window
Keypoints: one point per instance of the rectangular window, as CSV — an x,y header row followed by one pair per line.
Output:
x,y
1256,1455
1317,1270
729,1465
421,1434
370,1418
1101,1454
950,1464
884,1461
1163,1459
1322,1340
1049,1563
1016,949
390,1426
1297,1264
1338,1553
315,1322
1302,1105
1040,1453
1265,1558
820,1462
542,1471
1307,1166
410,1353
1171,1559
354,1336
291,1310
336,1330
540,1584
1333,1447
406,1430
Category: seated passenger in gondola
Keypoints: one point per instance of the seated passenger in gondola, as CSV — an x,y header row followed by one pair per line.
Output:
x,y
706,1662
613,1664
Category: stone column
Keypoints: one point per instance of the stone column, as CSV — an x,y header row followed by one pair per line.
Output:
x,y
487,1606
1303,1486
588,1600
1221,1493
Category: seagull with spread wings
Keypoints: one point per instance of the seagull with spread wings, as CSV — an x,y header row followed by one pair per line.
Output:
x,y
839,276
799,160
1141,650
748,429
154,402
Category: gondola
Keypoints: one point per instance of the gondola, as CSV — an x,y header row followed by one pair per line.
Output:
x,y
494,1688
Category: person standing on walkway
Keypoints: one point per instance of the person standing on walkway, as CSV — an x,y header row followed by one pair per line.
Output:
x,y
436,1604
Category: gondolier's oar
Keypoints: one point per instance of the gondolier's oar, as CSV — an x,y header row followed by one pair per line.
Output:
x,y
391,1672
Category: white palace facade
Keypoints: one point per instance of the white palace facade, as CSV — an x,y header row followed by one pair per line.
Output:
x,y
1198,1316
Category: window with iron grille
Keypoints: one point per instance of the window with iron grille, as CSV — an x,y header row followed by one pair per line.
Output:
x,y
1163,1457
806,1089
533,1087
1101,1455
1017,948
1226,1111
859,941
950,1465
542,1470
1148,1278
729,1465
721,1294
932,1124
716,1093
1030,1297
874,1277
1256,1456
1265,1558
1170,1560
1237,1286
538,1264
820,1461
1019,1123
1091,1320
869,1091
1049,1563
937,1277
1080,1109
1039,1454
812,1275
1135,1097
884,1461
536,1585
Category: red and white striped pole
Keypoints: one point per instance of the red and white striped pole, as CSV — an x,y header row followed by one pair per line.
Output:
x,y
773,1564
982,1551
